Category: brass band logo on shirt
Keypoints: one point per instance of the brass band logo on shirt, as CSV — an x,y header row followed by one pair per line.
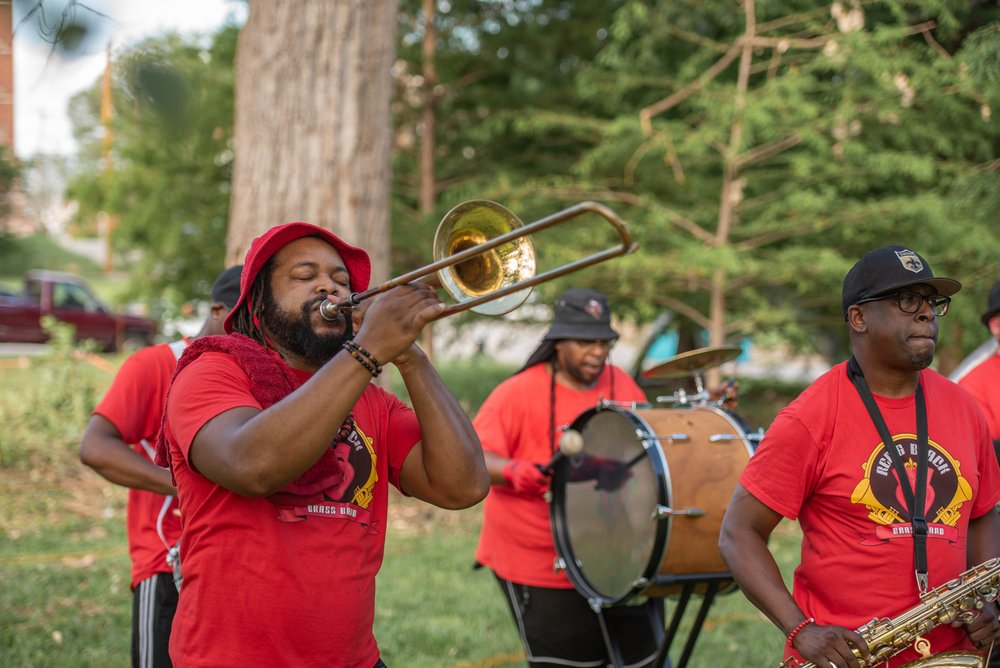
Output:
x,y
882,494
348,497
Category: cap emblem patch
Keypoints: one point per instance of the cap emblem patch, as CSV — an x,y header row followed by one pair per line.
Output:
x,y
594,308
910,261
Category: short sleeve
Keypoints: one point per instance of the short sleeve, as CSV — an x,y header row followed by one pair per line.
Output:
x,y
495,423
134,402
781,473
402,433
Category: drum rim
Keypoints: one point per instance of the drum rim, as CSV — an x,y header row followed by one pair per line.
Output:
x,y
557,510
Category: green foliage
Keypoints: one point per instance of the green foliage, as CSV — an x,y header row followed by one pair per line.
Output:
x,y
10,171
169,185
19,254
43,411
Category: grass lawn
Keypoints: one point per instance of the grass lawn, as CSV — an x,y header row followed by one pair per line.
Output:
x,y
64,597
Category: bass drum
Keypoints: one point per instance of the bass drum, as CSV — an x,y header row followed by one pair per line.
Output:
x,y
638,511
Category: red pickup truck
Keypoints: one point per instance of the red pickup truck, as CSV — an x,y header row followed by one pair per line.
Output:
x,y
70,300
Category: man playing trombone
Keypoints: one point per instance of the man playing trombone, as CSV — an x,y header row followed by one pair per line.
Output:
x,y
282,450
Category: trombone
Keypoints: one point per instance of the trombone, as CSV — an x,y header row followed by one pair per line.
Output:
x,y
485,261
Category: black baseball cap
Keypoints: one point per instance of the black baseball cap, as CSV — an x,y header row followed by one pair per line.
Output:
x,y
992,304
885,270
226,289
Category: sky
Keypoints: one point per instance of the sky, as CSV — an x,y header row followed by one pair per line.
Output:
x,y
44,83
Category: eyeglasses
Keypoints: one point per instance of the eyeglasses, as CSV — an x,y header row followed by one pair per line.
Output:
x,y
592,343
910,301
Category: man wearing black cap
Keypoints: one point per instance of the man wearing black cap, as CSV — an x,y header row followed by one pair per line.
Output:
x,y
519,426
118,444
981,374
879,525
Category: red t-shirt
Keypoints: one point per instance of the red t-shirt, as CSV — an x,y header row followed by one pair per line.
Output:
x,y
280,585
983,383
516,539
134,405
822,462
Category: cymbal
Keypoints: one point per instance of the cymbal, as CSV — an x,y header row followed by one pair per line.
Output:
x,y
693,361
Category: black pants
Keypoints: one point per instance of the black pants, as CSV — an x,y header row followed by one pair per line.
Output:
x,y
558,628
154,601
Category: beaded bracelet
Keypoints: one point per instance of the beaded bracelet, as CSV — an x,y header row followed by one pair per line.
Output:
x,y
374,368
804,623
356,349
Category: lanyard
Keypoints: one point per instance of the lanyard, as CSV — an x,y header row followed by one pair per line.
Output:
x,y
915,498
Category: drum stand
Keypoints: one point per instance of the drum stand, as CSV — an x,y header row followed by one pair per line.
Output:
x,y
711,583
614,652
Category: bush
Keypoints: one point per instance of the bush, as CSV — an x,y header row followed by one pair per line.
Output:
x,y
46,405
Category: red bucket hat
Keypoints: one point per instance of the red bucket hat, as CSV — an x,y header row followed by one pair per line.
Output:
x,y
356,261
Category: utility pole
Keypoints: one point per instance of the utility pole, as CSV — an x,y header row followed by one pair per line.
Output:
x,y
111,221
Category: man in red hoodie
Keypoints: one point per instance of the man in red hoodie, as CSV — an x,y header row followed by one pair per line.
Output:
x,y
282,450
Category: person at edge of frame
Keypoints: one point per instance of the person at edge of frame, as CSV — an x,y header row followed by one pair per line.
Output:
x,y
980,376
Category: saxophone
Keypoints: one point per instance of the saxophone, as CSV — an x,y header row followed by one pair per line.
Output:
x,y
954,601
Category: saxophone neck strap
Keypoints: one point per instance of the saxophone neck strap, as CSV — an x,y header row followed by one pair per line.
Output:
x,y
915,495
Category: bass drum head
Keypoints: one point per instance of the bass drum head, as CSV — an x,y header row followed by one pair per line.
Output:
x,y
603,506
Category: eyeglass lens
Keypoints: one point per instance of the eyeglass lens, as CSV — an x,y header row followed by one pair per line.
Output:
x,y
910,302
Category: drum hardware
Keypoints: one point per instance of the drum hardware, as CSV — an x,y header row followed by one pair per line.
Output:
x,y
724,438
663,512
486,263
682,398
672,438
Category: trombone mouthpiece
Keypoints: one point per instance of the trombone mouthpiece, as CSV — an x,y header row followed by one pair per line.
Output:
x,y
329,311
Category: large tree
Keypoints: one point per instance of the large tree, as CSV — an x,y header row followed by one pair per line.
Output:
x,y
313,133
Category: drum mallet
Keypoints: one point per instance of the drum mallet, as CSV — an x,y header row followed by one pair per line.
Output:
x,y
570,445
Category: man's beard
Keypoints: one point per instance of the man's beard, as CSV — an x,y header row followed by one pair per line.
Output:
x,y
295,332
579,376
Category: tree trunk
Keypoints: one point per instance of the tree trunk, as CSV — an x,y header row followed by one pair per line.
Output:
x,y
312,129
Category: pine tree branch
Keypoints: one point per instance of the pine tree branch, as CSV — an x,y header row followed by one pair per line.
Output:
x,y
687,91
765,151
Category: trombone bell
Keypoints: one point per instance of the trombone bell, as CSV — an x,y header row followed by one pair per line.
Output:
x,y
473,223
485,260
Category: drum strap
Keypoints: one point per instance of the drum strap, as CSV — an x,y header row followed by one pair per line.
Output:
x,y
915,498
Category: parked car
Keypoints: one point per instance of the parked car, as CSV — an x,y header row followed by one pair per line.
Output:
x,y
69,299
